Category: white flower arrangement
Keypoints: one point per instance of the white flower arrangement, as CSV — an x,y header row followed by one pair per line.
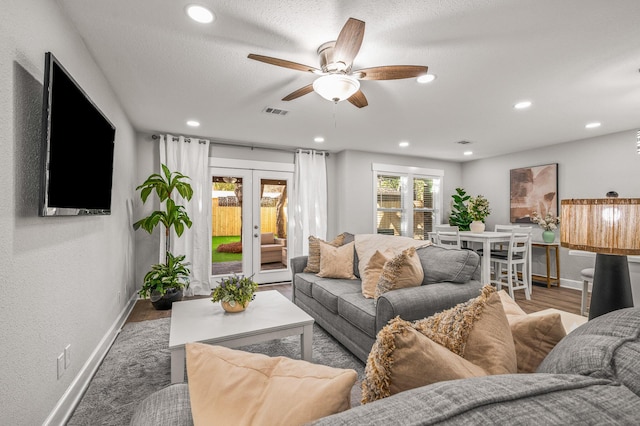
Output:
x,y
478,208
549,222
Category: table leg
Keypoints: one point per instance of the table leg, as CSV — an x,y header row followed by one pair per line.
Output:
x,y
548,249
306,342
486,262
557,265
177,364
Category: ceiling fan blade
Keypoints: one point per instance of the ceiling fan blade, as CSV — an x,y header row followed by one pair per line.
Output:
x,y
390,72
349,42
358,99
283,63
300,92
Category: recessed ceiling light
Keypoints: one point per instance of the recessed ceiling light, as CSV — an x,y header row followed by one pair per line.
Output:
x,y
522,105
193,123
593,125
403,144
318,139
468,153
200,14
426,78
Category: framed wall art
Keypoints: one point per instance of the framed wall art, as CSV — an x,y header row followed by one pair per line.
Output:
x,y
533,189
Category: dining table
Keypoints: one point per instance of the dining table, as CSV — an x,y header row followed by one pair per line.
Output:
x,y
487,239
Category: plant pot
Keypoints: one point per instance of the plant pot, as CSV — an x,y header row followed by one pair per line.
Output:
x,y
477,226
162,303
232,309
548,236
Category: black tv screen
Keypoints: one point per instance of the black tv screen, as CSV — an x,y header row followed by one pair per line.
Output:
x,y
77,148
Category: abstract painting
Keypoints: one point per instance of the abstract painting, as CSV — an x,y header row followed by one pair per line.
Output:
x,y
533,189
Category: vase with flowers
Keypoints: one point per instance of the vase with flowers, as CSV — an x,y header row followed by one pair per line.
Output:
x,y
478,208
235,292
549,223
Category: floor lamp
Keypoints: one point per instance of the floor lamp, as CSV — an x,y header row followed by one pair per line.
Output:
x,y
608,227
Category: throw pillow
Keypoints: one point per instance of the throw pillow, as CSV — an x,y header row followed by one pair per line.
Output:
x,y
228,386
533,336
372,273
476,331
336,262
404,270
368,244
313,261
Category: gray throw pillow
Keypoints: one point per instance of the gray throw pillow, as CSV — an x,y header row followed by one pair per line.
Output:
x,y
447,265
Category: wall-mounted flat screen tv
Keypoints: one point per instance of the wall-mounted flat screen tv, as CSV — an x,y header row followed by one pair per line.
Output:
x,y
77,148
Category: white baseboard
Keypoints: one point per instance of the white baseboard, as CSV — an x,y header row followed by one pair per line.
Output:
x,y
71,398
573,284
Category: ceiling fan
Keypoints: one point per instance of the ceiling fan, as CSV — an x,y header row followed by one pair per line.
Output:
x,y
337,81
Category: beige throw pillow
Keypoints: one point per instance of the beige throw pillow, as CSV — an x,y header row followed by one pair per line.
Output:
x,y
336,262
232,387
476,331
404,270
313,260
372,273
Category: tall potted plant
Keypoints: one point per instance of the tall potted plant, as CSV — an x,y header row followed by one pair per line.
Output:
x,y
164,283
460,216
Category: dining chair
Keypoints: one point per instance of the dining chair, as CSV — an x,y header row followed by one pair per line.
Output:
x,y
447,236
511,269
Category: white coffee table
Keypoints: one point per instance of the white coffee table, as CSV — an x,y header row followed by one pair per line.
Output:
x,y
269,316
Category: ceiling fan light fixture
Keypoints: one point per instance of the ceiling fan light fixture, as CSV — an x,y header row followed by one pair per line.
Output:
x,y
336,87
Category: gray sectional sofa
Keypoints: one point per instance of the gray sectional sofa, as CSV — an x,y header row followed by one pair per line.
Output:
x,y
338,306
592,377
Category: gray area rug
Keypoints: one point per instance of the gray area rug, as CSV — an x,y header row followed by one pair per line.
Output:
x,y
139,363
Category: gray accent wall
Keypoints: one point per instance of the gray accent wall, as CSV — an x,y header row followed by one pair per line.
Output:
x,y
587,168
65,280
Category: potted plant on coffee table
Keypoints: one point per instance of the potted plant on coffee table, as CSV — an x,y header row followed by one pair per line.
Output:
x,y
235,292
164,283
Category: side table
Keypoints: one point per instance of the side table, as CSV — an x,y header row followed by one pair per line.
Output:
x,y
548,278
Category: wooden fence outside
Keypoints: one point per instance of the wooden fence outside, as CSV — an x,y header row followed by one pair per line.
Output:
x,y
227,221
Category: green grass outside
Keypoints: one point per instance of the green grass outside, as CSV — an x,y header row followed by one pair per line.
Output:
x,y
224,257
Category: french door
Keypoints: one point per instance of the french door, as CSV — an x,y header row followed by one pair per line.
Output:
x,y
249,222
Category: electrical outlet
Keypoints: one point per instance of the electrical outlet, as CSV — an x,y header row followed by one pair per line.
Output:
x,y
67,356
60,365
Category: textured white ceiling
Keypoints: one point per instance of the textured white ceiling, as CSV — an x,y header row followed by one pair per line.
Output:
x,y
577,60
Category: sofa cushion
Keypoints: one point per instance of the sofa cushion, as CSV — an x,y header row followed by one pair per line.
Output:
x,y
402,271
476,331
327,291
359,312
169,406
336,262
605,347
313,262
267,238
304,282
533,336
228,386
447,265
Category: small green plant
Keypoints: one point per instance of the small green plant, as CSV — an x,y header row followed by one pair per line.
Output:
x,y
460,216
478,208
234,290
171,275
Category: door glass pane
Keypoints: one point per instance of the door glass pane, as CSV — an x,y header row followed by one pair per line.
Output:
x,y
226,225
273,224
389,205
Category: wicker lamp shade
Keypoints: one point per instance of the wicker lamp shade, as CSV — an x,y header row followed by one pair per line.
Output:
x,y
601,225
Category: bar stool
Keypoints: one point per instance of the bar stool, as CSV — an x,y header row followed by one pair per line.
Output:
x,y
587,277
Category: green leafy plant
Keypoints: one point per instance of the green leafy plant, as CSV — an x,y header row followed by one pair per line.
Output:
x,y
173,273
478,208
234,290
460,216
163,276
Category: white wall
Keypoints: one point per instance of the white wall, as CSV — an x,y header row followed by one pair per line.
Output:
x,y
60,275
587,168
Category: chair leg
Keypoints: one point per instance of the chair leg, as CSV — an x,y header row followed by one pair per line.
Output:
x,y
585,293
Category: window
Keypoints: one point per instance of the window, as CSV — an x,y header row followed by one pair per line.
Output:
x,y
408,200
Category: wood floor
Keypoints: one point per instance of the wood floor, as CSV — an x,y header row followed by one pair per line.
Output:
x,y
565,299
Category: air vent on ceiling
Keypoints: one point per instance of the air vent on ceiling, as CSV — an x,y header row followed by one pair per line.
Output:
x,y
276,111
463,142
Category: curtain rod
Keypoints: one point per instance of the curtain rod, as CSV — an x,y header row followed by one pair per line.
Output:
x,y
243,145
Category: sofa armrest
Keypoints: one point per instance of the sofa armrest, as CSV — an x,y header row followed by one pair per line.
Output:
x,y
280,241
415,303
298,264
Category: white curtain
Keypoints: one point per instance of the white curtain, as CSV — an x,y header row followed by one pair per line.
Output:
x,y
190,156
310,199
